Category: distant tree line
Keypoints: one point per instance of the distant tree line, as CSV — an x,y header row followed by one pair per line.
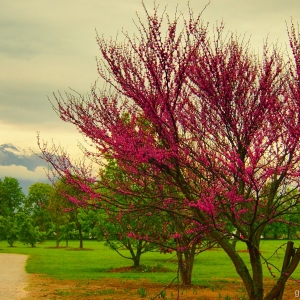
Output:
x,y
43,214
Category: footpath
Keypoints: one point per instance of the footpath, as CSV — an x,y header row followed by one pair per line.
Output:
x,y
13,278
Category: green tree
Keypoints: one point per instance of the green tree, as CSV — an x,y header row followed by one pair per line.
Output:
x,y
88,218
9,229
59,217
2,228
67,232
36,204
11,196
27,233
11,201
275,230
70,198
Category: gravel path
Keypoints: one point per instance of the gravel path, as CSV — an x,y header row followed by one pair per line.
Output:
x,y
13,278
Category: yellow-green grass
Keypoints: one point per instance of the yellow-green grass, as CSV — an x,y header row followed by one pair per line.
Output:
x,y
97,260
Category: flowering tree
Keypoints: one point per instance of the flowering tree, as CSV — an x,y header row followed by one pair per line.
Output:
x,y
133,220
115,229
249,142
206,117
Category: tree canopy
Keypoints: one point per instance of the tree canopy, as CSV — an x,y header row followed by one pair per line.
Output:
x,y
11,196
203,115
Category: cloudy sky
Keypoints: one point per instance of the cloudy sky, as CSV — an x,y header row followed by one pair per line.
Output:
x,y
49,45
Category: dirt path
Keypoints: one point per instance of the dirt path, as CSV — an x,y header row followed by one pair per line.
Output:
x,y
13,277
42,287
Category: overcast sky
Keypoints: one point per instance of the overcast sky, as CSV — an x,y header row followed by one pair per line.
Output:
x,y
49,45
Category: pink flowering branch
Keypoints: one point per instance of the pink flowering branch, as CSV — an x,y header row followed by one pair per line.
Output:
x,y
203,129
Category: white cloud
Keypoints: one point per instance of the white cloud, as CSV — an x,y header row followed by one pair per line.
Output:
x,y
21,173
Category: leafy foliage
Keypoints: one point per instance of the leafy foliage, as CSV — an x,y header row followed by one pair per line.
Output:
x,y
36,204
11,196
27,233
203,129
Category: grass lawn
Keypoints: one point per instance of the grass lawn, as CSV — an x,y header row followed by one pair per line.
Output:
x,y
96,262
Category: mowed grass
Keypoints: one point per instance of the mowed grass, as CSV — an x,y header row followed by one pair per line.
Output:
x,y
98,260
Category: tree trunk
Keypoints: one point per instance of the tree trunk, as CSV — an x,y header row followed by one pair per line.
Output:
x,y
254,283
240,266
257,292
286,273
57,236
289,232
185,265
136,257
80,238
10,242
79,227
235,240
254,289
136,260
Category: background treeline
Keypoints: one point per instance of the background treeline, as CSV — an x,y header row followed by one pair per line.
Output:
x,y
46,214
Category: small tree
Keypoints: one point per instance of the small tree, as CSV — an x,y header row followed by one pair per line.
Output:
x,y
135,215
70,199
88,218
67,231
58,216
115,227
11,196
27,233
9,229
36,204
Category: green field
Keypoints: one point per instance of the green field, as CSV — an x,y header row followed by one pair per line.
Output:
x,y
98,260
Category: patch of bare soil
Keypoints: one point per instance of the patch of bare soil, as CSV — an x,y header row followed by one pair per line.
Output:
x,y
53,247
140,269
41,287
